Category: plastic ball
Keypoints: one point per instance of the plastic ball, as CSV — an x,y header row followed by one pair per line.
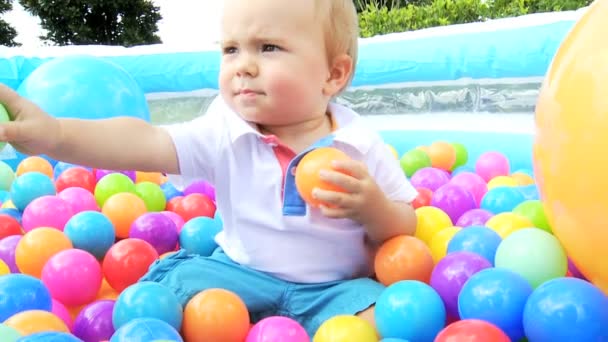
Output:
x,y
533,210
50,336
277,329
522,178
73,276
178,220
147,300
4,269
430,178
410,310
101,173
76,177
200,187
442,154
345,328
35,164
36,247
414,160
9,226
152,194
30,186
566,309
156,229
60,310
534,254
307,174
501,181
208,312
194,205
492,164
20,292
9,334
79,199
506,223
198,236
46,211
170,191
7,175
152,177
498,296
35,321
430,221
480,240
123,209
8,245
501,199
91,231
112,184
127,261
403,258
453,200
423,199
440,240
462,155
472,330
471,182
94,322
474,217
146,329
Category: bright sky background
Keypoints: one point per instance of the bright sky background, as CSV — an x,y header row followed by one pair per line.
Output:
x,y
184,21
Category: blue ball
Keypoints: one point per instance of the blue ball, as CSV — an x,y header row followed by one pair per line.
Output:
x,y
480,240
170,191
147,300
530,192
20,292
463,168
4,196
30,186
50,336
566,309
198,235
85,87
410,309
501,199
498,296
91,231
146,329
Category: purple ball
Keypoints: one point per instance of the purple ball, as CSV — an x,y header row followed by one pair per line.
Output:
x,y
450,274
474,217
453,200
157,229
200,187
430,178
100,173
574,270
7,251
94,322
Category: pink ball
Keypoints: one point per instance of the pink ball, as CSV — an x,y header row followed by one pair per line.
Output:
x,y
277,329
59,310
80,199
492,164
73,277
471,182
46,211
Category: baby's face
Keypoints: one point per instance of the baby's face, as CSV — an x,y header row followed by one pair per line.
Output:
x,y
274,62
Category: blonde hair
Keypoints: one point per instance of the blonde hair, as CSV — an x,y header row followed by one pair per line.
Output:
x,y
341,26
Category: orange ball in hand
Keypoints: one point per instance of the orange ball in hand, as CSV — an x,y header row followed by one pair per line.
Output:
x,y
308,172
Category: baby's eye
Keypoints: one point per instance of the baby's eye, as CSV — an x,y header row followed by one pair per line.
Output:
x,y
229,50
270,48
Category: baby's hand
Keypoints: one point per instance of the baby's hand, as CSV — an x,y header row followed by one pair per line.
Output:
x,y
360,191
31,130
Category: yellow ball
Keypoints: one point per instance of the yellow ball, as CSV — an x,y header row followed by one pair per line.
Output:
x,y
501,181
8,204
522,179
430,221
506,223
4,270
439,242
393,150
346,328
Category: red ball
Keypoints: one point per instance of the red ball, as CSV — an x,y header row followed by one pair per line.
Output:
x,y
9,226
423,199
127,261
195,205
172,203
76,177
472,330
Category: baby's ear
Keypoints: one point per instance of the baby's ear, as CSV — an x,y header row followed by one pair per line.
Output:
x,y
340,71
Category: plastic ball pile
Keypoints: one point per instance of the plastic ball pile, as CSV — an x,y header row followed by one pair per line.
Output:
x,y
483,263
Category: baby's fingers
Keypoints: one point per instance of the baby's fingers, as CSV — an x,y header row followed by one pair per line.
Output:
x,y
10,99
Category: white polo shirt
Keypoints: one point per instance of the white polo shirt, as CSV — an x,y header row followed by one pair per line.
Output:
x,y
267,226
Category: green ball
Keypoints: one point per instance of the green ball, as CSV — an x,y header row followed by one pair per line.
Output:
x,y
462,155
533,210
152,194
4,117
7,176
8,334
112,184
534,254
414,160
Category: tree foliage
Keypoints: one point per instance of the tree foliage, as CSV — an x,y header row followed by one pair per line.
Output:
x,y
105,22
7,33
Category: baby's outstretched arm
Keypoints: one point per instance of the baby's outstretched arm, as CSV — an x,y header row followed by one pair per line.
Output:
x,y
118,143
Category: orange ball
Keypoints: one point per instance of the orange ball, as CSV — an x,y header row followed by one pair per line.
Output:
x,y
208,314
442,154
154,177
403,257
35,164
122,209
34,321
37,246
308,172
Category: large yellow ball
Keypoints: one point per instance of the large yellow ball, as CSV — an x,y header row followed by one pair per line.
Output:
x,y
571,163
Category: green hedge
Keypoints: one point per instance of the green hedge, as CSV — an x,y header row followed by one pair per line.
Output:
x,y
387,16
